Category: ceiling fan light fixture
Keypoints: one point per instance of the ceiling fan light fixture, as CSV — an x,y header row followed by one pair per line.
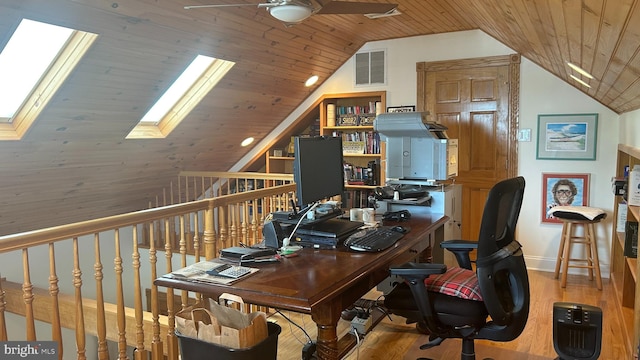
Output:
x,y
290,13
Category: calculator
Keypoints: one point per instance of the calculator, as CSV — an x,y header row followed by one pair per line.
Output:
x,y
231,271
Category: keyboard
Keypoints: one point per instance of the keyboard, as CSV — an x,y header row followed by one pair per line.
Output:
x,y
373,239
231,271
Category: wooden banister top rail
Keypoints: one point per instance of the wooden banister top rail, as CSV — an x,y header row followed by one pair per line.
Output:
x,y
48,235
240,175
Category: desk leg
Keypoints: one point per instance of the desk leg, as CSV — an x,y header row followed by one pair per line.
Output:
x,y
326,318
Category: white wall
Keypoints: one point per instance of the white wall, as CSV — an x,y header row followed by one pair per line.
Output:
x,y
543,93
630,128
540,93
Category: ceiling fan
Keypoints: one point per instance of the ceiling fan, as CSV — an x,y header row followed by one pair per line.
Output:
x,y
294,11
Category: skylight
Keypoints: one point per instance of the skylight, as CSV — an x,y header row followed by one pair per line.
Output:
x,y
183,95
33,65
26,57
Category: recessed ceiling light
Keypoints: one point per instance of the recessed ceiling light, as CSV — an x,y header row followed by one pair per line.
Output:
x,y
580,70
246,141
312,80
580,81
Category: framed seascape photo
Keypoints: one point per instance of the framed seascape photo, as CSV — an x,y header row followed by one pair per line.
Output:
x,y
563,190
567,137
405,108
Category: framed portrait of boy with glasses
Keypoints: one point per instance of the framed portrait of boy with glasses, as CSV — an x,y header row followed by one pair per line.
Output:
x,y
563,190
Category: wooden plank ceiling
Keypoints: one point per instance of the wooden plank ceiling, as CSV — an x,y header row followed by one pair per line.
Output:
x,y
75,164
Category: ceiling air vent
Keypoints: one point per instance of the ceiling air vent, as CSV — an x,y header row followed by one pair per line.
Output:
x,y
370,68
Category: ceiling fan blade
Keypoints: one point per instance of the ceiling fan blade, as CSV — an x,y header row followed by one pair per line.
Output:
x,y
189,7
343,7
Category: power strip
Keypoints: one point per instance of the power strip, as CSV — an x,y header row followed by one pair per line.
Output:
x,y
361,325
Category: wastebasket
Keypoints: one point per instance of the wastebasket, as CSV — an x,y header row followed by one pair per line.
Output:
x,y
195,349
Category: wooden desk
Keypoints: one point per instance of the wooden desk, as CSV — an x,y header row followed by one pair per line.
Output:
x,y
322,283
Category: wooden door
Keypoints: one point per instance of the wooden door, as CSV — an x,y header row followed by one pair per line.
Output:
x,y
477,100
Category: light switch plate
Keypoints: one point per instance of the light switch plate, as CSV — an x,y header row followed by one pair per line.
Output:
x,y
524,135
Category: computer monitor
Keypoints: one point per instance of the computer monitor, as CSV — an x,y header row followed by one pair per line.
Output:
x,y
317,169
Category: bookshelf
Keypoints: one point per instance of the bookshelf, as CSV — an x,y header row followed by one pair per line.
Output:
x,y
624,269
350,116
279,158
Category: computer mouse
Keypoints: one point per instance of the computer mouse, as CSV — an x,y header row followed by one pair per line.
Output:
x,y
400,229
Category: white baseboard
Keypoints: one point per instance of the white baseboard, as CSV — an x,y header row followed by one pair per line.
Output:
x,y
549,265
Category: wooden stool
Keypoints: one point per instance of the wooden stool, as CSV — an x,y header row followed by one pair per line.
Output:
x,y
570,221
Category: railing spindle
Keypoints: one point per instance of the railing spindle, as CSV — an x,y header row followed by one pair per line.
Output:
x,y
244,224
3,306
184,296
121,320
156,342
27,294
209,234
196,244
77,283
140,353
234,211
222,222
172,343
101,326
56,329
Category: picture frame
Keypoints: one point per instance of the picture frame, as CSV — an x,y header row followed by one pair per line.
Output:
x,y
567,136
570,189
404,108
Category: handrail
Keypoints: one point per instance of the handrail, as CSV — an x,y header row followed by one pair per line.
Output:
x,y
203,225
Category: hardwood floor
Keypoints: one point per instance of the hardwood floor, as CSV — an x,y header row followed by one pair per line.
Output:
x,y
392,339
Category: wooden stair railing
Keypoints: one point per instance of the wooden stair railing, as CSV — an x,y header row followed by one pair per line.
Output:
x,y
111,309
198,185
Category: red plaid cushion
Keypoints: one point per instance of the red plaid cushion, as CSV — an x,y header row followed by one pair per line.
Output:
x,y
458,282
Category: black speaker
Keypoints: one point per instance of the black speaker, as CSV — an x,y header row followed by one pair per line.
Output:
x,y
272,234
577,331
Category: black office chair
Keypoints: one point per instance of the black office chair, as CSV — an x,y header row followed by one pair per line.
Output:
x,y
492,302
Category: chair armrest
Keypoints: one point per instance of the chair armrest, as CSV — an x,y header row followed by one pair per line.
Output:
x,y
415,274
461,250
418,270
459,245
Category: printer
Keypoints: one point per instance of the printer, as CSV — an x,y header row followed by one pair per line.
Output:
x,y
417,151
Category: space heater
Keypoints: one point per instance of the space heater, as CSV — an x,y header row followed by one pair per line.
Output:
x,y
577,331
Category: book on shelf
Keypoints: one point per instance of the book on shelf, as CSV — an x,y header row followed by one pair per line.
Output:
x,y
361,175
357,198
331,114
631,239
622,217
359,142
369,108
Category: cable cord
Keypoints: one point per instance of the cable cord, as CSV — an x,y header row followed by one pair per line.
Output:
x,y
287,240
356,348
298,326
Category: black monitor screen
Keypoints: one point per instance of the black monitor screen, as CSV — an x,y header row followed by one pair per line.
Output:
x,y
317,168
